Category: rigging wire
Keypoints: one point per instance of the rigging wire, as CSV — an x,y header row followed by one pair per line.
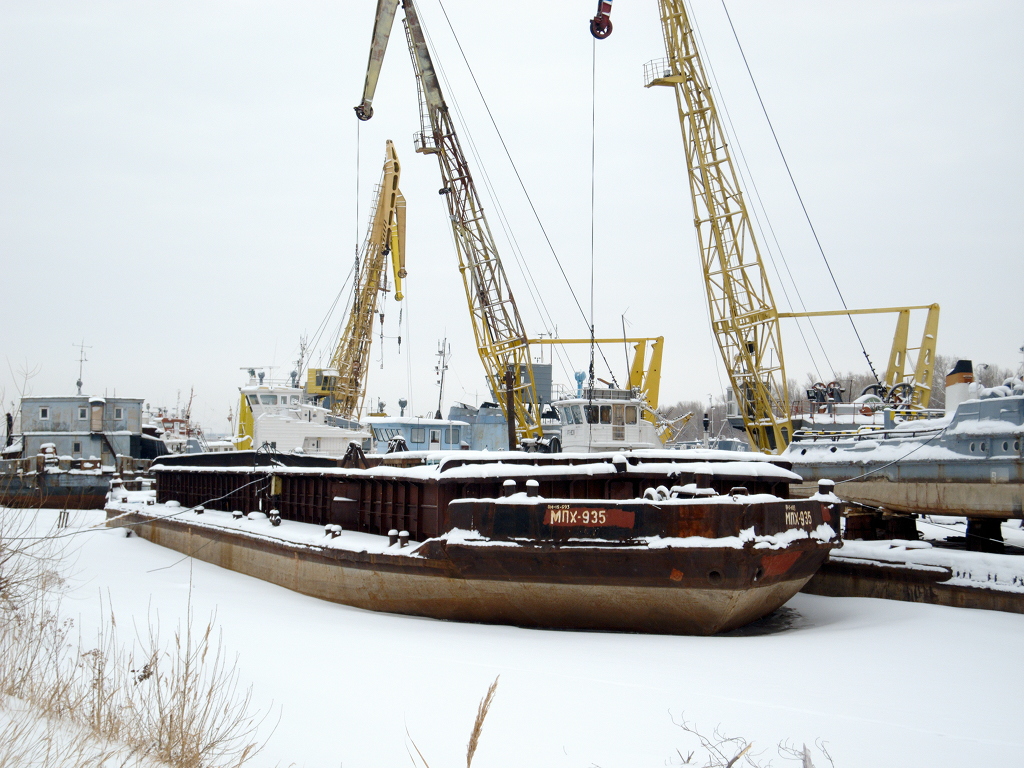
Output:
x,y
593,163
524,268
799,197
522,184
764,226
330,313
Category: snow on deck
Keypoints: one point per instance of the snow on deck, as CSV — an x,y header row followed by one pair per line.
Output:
x,y
667,463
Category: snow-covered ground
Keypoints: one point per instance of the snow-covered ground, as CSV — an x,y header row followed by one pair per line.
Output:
x,y
883,683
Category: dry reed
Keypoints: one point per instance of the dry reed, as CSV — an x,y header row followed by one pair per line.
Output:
x,y
70,703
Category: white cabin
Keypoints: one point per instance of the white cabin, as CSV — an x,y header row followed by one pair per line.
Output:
x,y
605,420
280,417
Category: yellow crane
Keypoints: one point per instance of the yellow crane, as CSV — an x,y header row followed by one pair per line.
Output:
x,y
345,380
497,326
744,316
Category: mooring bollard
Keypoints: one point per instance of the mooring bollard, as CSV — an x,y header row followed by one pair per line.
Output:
x,y
508,487
403,539
532,488
392,537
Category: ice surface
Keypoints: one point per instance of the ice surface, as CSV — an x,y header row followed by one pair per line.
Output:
x,y
884,683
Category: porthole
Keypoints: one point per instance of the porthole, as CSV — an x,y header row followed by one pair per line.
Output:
x,y
972,448
833,449
758,574
803,452
715,577
1016,445
984,447
1006,445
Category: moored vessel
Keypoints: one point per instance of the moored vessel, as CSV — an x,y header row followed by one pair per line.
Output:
x,y
968,464
691,542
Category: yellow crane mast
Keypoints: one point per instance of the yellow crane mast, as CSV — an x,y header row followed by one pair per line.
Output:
x,y
497,326
744,317
743,312
345,380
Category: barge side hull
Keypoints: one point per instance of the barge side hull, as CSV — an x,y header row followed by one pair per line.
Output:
x,y
439,587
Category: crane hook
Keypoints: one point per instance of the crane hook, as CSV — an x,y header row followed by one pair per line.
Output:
x,y
601,25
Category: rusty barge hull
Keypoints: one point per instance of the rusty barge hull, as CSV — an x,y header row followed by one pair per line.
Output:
x,y
696,591
595,544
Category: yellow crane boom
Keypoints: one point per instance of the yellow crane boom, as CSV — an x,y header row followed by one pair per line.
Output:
x,y
743,313
744,317
497,326
345,380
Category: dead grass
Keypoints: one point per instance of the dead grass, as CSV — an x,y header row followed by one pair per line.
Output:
x,y
69,702
474,736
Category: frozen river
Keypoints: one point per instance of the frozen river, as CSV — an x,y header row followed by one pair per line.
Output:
x,y
882,683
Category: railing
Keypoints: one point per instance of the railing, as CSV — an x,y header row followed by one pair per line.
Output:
x,y
657,69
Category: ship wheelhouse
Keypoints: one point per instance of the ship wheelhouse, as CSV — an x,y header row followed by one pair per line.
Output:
x,y
605,420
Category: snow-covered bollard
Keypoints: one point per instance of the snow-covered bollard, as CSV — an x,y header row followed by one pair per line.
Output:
x,y
199,510
403,539
508,487
620,463
532,488
275,517
392,537
236,515
826,487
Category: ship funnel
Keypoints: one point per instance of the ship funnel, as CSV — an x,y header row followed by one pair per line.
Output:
x,y
958,384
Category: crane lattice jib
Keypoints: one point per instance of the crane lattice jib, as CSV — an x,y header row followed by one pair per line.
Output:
x,y
386,236
743,312
497,326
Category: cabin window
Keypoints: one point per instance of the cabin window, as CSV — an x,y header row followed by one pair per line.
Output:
x,y
253,400
76,448
618,415
631,414
419,435
577,413
118,414
295,399
435,436
268,399
592,413
606,414
83,412
44,413
567,415
453,436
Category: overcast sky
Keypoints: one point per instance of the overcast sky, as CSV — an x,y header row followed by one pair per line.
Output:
x,y
178,183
